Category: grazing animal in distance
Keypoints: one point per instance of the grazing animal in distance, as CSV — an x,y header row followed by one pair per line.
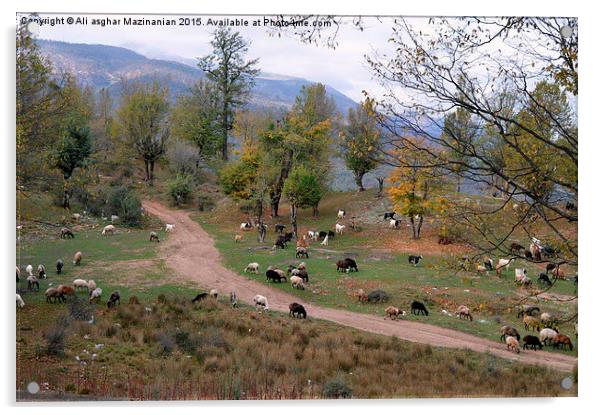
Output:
x,y
378,296
547,335
535,251
91,285
20,302
531,322
154,237
297,282
325,241
562,341
233,299
66,232
509,331
550,267
200,297
501,264
59,266
414,259
301,252
512,344
339,228
464,312
261,301
361,296
274,275
95,295
393,312
313,235
41,271
237,238
302,243
488,263
77,258
417,308
114,299
279,228
108,230
516,247
527,310
170,227
32,282
532,342
347,265
280,242
54,295
252,267
394,223
246,226
213,293
527,254
389,215
543,279
79,283
341,214
288,236
297,310
66,289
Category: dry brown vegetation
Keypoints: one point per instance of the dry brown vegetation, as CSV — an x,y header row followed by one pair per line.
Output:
x,y
171,349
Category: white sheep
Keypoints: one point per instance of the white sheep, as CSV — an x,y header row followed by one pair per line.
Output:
x,y
42,271
29,269
79,283
169,227
325,241
91,285
261,301
213,293
512,344
297,282
32,281
548,319
20,302
339,229
114,218
109,229
547,335
252,267
95,295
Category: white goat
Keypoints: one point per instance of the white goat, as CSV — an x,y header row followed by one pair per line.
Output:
x,y
339,229
325,241
252,267
169,227
341,214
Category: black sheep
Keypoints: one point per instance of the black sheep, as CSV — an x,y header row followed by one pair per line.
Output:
x,y
59,266
114,299
288,237
200,297
271,275
417,307
544,279
280,242
531,342
389,215
279,228
297,310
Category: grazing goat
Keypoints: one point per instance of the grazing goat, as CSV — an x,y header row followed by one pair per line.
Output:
x,y
512,344
279,228
32,282
532,323
501,264
394,223
313,235
559,273
77,258
323,234
108,230
66,289
509,331
532,342
20,302
170,227
274,275
200,297
389,215
213,293
154,237
535,251
548,320
53,295
325,241
488,263
91,286
288,236
550,267
297,310
301,252
527,254
233,299
547,335
414,259
481,269
563,341
341,214
280,243
95,295
253,267
59,266
237,238
246,226
339,229
519,274
464,312
114,299
417,308
543,279
261,301
66,232
393,312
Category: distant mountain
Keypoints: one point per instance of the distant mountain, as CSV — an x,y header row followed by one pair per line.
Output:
x,y
102,66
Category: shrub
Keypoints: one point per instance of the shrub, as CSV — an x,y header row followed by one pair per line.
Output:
x,y
55,337
124,203
80,309
180,188
336,388
205,202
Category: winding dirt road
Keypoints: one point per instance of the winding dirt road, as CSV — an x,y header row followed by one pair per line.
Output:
x,y
190,252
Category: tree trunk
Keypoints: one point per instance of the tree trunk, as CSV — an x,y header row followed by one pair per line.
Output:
x,y
381,183
66,196
276,192
225,131
315,212
146,171
459,183
151,173
359,176
261,227
416,227
274,202
294,220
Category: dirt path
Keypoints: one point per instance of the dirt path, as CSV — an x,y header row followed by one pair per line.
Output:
x,y
190,252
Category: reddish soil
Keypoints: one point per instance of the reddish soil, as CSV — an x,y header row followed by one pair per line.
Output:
x,y
190,252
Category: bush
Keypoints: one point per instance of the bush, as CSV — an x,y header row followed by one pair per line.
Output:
x,y
336,388
124,203
55,338
180,188
80,309
205,202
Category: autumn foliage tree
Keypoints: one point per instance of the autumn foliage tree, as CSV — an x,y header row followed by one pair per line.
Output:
x,y
302,189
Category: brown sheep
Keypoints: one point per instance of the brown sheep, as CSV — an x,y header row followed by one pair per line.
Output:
x,y
393,312
238,238
512,344
77,258
532,322
464,312
53,295
563,341
66,289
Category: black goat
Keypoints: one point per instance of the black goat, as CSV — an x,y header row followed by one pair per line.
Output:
x,y
297,310
417,307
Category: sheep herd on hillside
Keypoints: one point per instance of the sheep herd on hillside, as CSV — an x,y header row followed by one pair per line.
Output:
x,y
545,324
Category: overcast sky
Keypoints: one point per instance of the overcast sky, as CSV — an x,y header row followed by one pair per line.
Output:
x,y
343,68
